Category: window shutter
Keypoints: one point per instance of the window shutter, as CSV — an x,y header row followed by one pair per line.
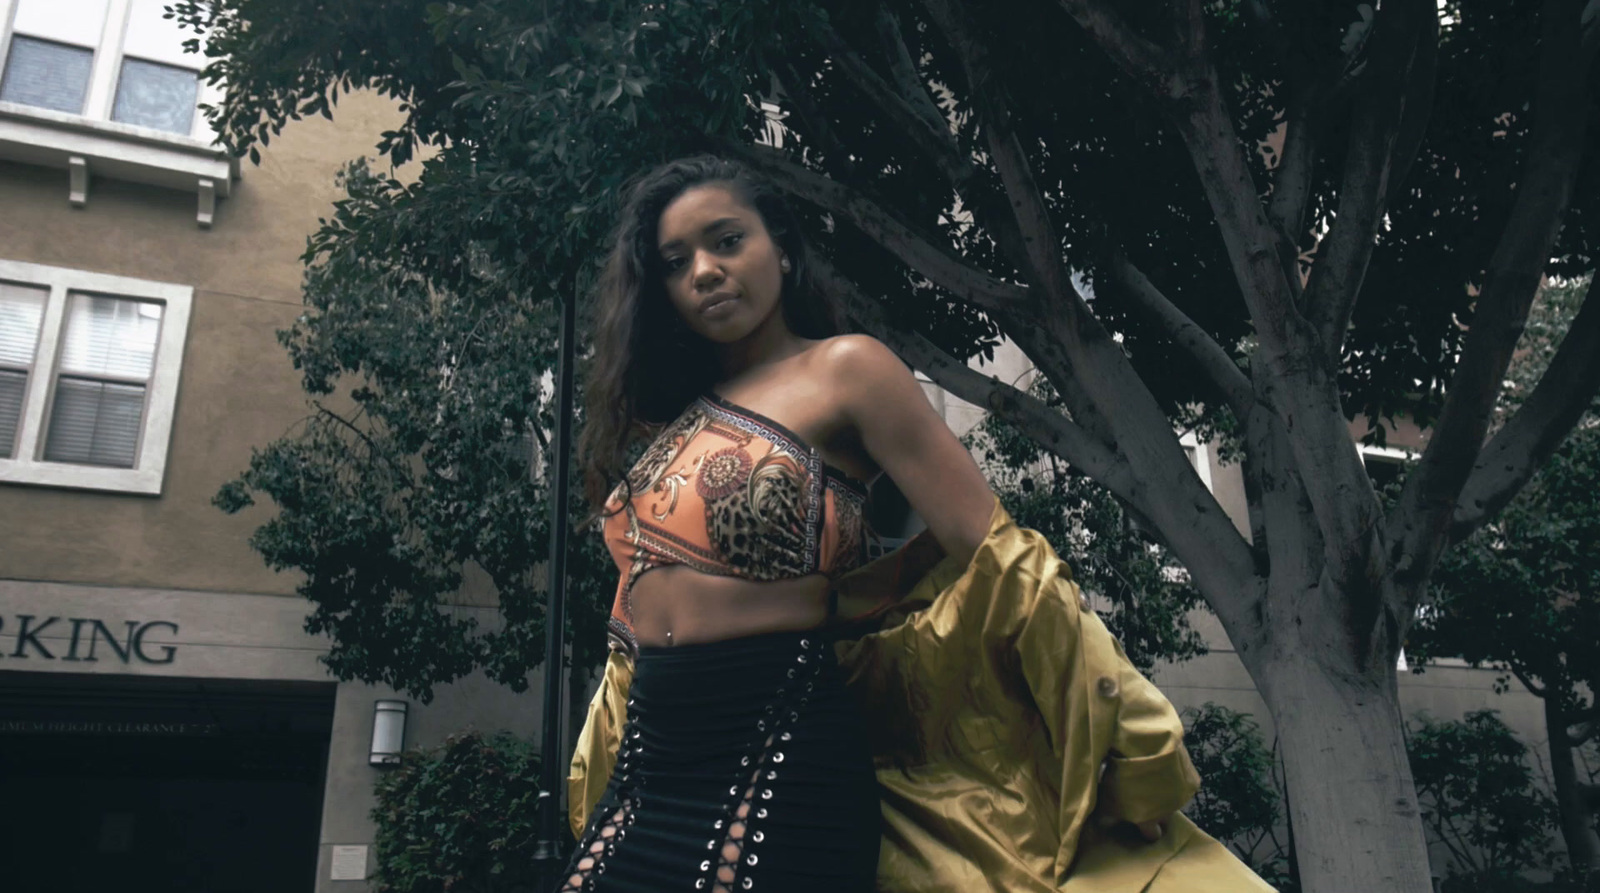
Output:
x,y
47,74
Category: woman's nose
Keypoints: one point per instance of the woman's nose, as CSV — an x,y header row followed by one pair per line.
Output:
x,y
706,270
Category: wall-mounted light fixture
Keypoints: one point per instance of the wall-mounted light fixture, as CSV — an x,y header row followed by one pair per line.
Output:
x,y
388,732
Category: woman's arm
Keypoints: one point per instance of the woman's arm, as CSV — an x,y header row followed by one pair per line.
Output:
x,y
903,434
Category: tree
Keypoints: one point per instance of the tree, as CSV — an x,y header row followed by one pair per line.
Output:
x,y
1289,212
1523,592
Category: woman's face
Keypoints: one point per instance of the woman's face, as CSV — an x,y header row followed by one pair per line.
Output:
x,y
723,271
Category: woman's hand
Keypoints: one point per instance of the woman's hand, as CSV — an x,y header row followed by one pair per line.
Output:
x,y
903,434
1153,830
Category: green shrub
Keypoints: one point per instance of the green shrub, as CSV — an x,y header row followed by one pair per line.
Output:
x,y
1239,802
1479,799
459,817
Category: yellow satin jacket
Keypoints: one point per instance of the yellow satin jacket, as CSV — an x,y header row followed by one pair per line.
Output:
x,y
1008,728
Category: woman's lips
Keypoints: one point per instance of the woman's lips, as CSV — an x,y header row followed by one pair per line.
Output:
x,y
717,306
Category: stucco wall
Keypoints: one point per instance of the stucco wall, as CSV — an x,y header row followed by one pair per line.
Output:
x,y
237,388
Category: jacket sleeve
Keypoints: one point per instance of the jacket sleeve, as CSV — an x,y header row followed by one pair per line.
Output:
x,y
595,754
1148,774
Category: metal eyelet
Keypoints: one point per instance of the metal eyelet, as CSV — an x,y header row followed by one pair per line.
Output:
x,y
711,844
744,761
762,725
785,736
705,865
761,813
805,643
733,791
700,884
751,859
758,836
777,757
766,793
802,658
747,883
772,775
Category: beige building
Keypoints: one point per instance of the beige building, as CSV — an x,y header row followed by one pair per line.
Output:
x,y
164,720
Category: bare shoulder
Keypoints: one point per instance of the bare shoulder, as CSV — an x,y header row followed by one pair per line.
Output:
x,y
854,362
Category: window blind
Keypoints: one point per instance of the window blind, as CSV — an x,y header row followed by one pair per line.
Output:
x,y
12,387
46,74
21,311
107,352
95,423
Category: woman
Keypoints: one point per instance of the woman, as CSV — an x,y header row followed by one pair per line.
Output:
x,y
742,762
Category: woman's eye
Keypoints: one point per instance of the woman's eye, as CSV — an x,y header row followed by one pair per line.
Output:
x,y
672,264
730,240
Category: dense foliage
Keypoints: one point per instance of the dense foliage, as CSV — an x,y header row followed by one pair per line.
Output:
x,y
1240,801
1480,799
458,818
1523,593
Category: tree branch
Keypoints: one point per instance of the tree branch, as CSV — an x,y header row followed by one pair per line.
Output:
x,y
1533,688
1054,431
1304,392
835,155
1515,452
1224,373
1343,257
973,286
1140,59
1291,188
903,68
1041,244
930,134
1428,503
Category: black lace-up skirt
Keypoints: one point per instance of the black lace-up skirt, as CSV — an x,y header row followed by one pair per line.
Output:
x,y
743,766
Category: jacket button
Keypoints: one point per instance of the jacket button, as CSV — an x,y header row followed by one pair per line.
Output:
x,y
1107,687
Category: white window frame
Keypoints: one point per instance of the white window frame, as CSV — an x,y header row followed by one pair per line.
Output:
x,y
161,394
91,145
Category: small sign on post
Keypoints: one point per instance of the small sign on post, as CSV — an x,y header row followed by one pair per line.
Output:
x,y
349,863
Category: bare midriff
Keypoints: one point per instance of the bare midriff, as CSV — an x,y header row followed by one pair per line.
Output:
x,y
695,607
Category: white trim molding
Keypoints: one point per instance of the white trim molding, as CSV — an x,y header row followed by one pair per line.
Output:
x,y
1199,455
92,146
161,396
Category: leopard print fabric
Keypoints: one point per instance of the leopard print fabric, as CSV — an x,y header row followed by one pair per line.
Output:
x,y
730,492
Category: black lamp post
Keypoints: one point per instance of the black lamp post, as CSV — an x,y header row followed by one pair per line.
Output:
x,y
548,850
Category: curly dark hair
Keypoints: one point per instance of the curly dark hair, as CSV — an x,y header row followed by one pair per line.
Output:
x,y
647,364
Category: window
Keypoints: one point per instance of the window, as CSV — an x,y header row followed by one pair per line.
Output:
x,y
117,60
88,377
104,87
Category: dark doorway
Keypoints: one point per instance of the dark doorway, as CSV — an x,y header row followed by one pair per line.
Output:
x,y
114,782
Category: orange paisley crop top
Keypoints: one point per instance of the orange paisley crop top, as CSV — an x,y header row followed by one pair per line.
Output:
x,y
730,492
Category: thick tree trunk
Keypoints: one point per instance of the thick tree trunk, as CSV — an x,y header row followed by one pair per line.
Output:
x,y
1356,822
1577,818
